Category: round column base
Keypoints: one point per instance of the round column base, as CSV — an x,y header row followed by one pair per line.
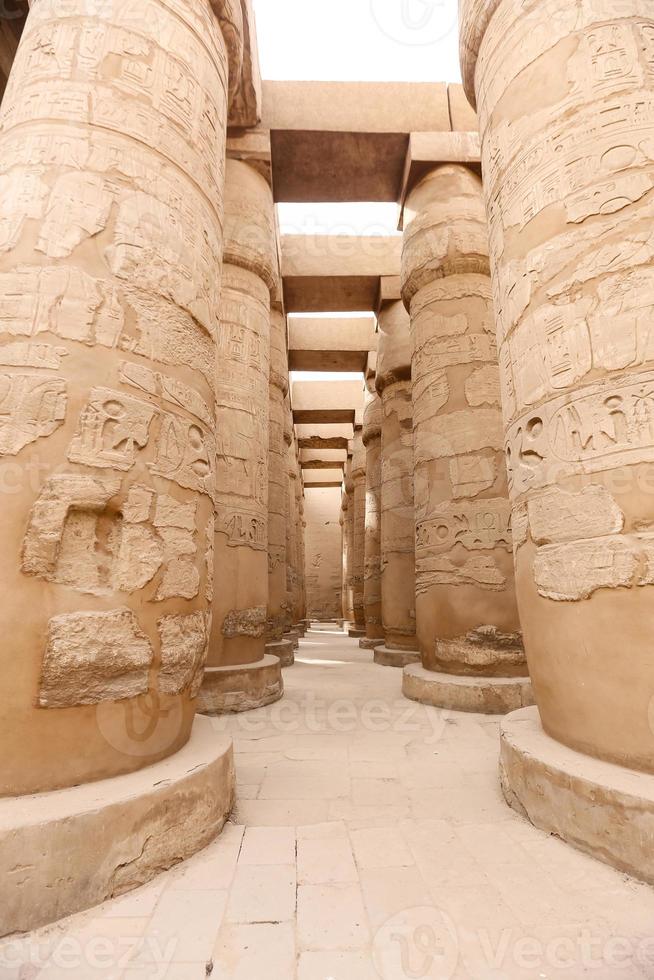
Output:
x,y
283,649
367,644
600,808
395,658
294,637
229,690
355,633
100,840
482,695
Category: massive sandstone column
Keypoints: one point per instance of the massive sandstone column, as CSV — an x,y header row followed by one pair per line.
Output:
x,y
277,491
239,674
348,541
569,172
113,140
292,519
301,603
398,558
359,531
466,615
372,420
342,521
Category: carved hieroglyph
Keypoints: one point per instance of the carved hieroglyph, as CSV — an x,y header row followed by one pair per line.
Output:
x,y
277,479
300,598
569,182
465,596
111,184
393,382
359,527
290,502
242,394
372,423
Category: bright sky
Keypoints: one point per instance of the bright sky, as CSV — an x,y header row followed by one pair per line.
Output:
x,y
359,40
355,40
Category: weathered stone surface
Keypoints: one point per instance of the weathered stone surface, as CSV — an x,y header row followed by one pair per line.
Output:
x,y
359,529
243,687
93,657
395,658
245,622
603,809
324,569
558,515
483,695
184,642
277,478
105,838
372,597
464,565
250,274
398,571
111,236
569,202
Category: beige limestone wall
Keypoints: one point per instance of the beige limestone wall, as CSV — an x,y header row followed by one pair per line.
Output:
x,y
372,426
565,94
111,217
242,386
323,553
466,614
277,479
393,382
359,527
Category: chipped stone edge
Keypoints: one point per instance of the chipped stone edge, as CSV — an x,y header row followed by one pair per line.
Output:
x,y
598,807
105,838
480,695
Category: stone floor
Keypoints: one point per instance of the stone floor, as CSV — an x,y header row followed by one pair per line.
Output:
x,y
369,841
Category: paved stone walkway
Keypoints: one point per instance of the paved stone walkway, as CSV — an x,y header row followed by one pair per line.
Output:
x,y
370,840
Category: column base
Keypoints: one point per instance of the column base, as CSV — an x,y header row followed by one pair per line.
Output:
x,y
600,808
66,851
294,638
229,690
284,650
367,644
482,695
355,633
395,658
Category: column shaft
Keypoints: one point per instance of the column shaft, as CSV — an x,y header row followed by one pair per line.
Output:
x,y
372,422
277,479
398,556
110,245
466,614
236,676
359,528
568,182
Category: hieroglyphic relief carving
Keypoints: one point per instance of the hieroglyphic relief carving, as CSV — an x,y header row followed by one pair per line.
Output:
x,y
372,430
569,183
358,474
398,569
112,164
461,498
31,407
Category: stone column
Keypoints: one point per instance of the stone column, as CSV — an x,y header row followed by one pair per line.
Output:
x,y
372,419
398,558
301,589
111,218
342,520
240,675
358,532
277,491
291,533
466,614
568,171
349,543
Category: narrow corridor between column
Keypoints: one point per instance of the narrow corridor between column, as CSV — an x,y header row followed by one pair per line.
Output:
x,y
369,840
